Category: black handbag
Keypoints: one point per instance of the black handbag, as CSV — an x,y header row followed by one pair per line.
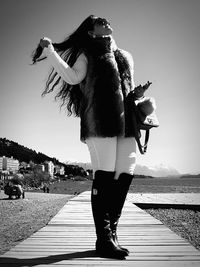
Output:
x,y
143,117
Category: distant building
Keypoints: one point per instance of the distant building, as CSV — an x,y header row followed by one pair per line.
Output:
x,y
1,163
9,164
62,170
59,169
49,167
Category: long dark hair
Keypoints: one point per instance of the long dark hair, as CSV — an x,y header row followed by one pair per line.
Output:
x,y
69,50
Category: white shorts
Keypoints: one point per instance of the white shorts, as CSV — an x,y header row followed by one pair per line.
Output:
x,y
113,154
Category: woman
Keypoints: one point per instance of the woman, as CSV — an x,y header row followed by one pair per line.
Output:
x,y
95,77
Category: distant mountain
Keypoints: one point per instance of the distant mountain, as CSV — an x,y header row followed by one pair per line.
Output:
x,y
85,166
157,171
190,176
10,148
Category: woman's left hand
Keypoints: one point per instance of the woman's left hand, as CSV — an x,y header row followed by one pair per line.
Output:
x,y
146,86
45,42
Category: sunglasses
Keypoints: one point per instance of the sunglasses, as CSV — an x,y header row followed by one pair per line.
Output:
x,y
100,21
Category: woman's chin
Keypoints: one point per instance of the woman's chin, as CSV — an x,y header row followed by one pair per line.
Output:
x,y
110,31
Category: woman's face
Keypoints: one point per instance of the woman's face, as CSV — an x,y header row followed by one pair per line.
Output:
x,y
102,27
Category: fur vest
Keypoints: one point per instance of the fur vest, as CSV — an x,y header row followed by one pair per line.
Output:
x,y
103,110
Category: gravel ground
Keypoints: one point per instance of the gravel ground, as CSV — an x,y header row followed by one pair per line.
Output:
x,y
184,222
20,218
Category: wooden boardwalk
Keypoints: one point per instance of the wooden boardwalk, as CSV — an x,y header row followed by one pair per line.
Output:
x,y
69,238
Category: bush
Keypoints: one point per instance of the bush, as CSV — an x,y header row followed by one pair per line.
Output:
x,y
17,179
80,178
36,178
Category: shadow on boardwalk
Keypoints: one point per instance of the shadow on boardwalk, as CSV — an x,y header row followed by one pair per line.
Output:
x,y
16,262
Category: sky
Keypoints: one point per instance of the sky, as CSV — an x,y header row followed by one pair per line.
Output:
x,y
163,37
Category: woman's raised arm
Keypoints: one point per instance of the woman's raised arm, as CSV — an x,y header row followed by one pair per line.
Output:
x,y
71,75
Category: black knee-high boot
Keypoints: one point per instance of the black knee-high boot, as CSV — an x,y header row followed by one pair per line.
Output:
x,y
120,190
100,199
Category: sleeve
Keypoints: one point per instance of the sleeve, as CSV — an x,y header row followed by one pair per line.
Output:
x,y
71,75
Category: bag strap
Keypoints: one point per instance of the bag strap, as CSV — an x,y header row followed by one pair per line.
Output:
x,y
133,111
143,148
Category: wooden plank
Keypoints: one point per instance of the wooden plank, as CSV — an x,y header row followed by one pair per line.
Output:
x,y
137,249
69,238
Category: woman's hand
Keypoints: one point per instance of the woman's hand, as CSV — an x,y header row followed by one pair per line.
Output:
x,y
146,86
45,42
140,90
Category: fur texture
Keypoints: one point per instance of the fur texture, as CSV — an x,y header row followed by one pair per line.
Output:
x,y
108,81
